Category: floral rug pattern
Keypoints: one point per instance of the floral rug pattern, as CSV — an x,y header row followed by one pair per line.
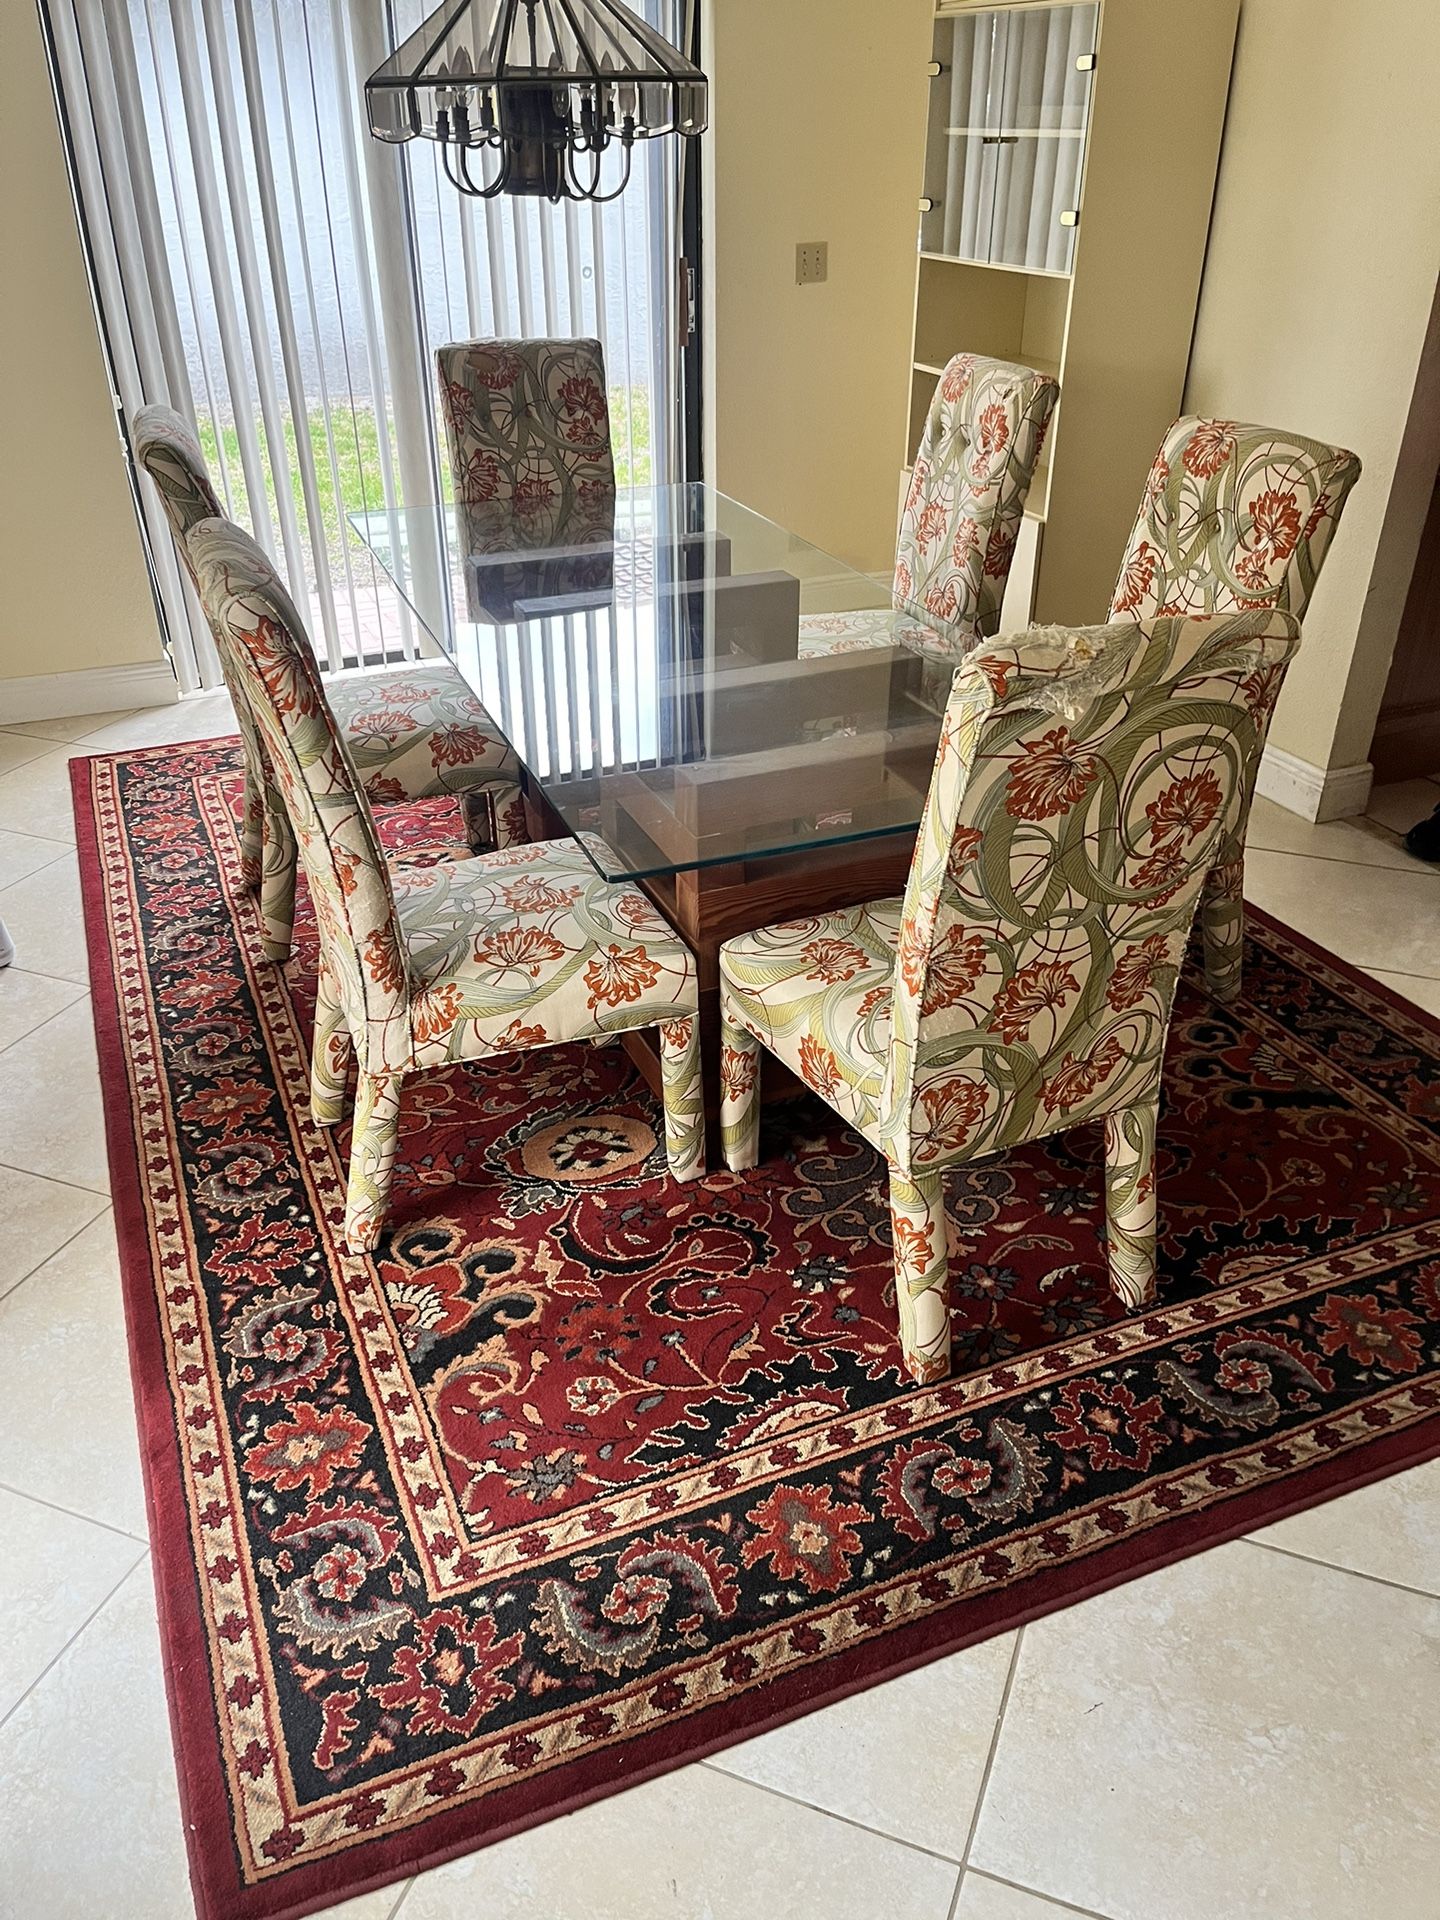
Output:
x,y
583,1473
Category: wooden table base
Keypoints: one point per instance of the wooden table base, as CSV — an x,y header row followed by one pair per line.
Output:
x,y
706,905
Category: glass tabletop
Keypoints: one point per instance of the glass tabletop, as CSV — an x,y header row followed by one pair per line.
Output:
x,y
685,682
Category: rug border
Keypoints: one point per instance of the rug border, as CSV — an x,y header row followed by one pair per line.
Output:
x,y
215,1880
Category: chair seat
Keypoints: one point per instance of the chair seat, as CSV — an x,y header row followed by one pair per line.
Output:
x,y
417,730
827,633
823,634
817,992
530,947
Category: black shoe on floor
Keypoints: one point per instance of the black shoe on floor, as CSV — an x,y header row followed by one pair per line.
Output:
x,y
1424,840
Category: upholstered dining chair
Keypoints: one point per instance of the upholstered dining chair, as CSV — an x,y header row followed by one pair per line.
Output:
x,y
412,731
978,453
1233,516
1024,982
527,427
525,947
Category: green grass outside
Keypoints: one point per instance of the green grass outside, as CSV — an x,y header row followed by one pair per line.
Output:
x,y
355,482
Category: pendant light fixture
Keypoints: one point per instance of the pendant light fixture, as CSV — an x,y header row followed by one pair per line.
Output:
x,y
528,96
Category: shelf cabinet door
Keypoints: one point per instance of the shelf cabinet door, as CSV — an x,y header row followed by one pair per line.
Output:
x,y
1005,147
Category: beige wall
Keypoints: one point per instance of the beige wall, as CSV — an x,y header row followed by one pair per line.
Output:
x,y
1324,254
76,592
818,130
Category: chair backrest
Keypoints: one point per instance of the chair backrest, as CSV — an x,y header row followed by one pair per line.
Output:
x,y
169,452
527,423
1234,516
256,625
1083,784
171,455
977,457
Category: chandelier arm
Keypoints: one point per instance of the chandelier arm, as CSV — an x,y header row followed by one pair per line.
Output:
x,y
572,179
604,199
497,185
458,174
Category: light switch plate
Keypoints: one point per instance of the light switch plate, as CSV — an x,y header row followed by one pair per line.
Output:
x,y
812,261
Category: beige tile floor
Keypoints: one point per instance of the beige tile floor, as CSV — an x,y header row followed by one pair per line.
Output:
x,y
1251,1735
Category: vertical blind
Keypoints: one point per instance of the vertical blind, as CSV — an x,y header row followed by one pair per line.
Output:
x,y
282,279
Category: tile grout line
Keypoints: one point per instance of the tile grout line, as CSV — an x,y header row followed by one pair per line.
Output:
x,y
49,1020
8,1166
404,1896
34,973
1064,1906
984,1786
68,849
88,1621
106,1526
11,1291
57,979
1398,973
1331,1566
1416,869
19,766
828,1813
41,840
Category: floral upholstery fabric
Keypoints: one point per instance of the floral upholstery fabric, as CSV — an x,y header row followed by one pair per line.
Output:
x,y
820,988
1234,516
171,455
1083,786
527,424
418,730
530,945
977,457
414,732
525,948
982,441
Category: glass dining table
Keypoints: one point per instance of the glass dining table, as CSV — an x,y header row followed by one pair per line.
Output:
x,y
715,708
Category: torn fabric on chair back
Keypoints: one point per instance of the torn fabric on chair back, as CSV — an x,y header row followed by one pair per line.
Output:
x,y
1083,783
527,424
1234,516
256,624
977,457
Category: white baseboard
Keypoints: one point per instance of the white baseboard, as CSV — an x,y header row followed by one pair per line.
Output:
x,y
56,696
1315,793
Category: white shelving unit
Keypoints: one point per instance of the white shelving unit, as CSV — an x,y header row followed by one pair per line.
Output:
x,y
1069,169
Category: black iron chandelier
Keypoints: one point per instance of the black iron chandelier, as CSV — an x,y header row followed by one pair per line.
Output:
x,y
528,96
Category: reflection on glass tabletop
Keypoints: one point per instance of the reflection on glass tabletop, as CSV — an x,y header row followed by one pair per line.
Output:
x,y
684,681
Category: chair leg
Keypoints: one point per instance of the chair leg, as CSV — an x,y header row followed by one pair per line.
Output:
x,y
482,828
1130,1198
277,883
739,1096
372,1159
331,1054
922,1272
1222,924
684,1096
252,830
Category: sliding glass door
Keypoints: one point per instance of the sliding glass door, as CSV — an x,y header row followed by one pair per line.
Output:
x,y
283,280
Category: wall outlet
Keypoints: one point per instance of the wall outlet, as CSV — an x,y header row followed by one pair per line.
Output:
x,y
812,261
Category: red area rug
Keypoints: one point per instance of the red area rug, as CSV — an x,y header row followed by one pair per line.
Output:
x,y
585,1475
